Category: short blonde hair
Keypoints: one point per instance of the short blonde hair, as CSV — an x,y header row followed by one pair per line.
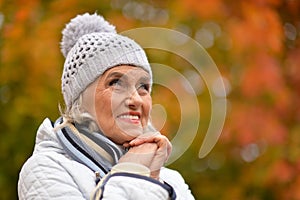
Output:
x,y
76,114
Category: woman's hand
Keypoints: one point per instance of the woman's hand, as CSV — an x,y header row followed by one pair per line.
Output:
x,y
151,150
142,154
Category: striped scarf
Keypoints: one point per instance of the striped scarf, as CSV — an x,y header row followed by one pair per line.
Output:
x,y
91,149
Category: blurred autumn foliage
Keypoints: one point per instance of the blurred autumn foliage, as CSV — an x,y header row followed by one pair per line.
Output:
x,y
255,44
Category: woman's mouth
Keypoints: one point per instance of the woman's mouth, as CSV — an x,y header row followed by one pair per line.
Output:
x,y
130,118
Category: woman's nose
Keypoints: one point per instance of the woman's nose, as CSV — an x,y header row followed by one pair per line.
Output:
x,y
134,100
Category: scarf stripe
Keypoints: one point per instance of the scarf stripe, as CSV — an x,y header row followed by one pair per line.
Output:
x,y
79,143
82,150
77,155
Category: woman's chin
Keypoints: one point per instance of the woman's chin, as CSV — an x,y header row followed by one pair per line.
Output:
x,y
131,130
133,133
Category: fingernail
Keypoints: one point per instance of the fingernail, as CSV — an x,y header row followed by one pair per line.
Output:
x,y
131,142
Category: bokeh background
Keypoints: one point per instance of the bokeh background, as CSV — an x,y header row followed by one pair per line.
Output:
x,y
255,44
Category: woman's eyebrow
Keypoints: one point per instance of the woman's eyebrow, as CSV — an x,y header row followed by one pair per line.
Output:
x,y
117,74
144,79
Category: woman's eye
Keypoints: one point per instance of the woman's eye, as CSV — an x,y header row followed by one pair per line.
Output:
x,y
145,87
115,82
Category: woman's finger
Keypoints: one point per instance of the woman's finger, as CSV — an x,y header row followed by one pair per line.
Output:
x,y
144,138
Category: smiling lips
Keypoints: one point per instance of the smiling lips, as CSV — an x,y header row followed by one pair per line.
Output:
x,y
130,117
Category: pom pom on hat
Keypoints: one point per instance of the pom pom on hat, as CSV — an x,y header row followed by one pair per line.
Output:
x,y
91,46
82,25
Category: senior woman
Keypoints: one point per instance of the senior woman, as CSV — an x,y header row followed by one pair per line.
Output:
x,y
103,146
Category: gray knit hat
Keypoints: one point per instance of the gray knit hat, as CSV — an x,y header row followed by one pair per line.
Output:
x,y
91,46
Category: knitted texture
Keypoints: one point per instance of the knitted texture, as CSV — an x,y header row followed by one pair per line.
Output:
x,y
92,46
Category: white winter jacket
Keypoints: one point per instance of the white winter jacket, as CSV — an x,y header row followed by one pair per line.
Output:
x,y
50,173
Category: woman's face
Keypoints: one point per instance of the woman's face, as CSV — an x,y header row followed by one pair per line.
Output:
x,y
123,102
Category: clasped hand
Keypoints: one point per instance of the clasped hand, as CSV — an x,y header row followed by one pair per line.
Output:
x,y
150,149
